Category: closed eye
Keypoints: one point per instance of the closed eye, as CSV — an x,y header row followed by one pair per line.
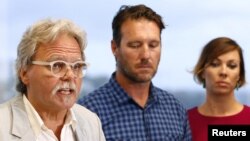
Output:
x,y
134,45
154,44
215,64
232,65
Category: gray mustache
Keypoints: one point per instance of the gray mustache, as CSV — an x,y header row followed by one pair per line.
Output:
x,y
64,85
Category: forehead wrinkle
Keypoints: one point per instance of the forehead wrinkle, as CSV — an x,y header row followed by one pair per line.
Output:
x,y
63,52
67,48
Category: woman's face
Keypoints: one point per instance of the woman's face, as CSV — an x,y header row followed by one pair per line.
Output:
x,y
223,73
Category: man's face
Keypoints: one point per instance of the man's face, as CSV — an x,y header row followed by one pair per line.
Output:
x,y
46,91
139,52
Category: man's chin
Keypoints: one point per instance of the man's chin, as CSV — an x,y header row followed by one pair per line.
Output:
x,y
143,78
68,101
67,106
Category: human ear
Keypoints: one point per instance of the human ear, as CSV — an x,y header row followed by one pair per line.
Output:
x,y
114,47
23,76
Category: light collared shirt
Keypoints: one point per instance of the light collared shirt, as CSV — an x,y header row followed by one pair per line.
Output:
x,y
42,132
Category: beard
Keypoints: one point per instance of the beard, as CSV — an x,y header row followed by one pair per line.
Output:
x,y
137,77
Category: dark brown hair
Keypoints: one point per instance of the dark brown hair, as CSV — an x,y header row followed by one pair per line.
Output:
x,y
133,12
213,50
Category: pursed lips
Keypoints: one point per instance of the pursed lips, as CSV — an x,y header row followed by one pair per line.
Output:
x,y
222,83
141,65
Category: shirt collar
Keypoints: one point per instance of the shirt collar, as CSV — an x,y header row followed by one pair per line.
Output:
x,y
71,119
119,93
123,97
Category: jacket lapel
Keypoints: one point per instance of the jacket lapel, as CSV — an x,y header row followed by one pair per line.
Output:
x,y
21,126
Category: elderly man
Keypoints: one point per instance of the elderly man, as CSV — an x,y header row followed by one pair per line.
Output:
x,y
50,65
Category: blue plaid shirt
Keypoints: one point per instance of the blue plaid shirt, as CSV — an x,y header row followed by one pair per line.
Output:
x,y
162,119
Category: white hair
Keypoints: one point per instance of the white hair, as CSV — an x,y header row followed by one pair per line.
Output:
x,y
44,31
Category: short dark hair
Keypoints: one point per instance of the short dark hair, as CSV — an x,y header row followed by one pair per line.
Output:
x,y
134,12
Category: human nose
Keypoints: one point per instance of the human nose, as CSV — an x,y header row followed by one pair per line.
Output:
x,y
223,71
69,73
145,52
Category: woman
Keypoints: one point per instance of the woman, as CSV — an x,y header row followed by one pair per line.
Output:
x,y
220,69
